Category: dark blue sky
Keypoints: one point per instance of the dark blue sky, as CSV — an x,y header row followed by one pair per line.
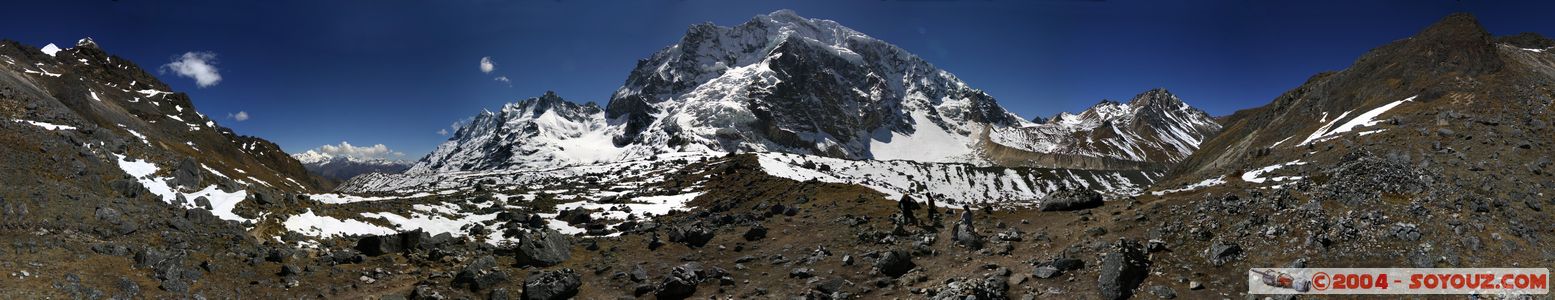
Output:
x,y
396,72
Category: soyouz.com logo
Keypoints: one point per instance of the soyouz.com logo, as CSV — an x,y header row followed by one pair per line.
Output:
x,y
1483,281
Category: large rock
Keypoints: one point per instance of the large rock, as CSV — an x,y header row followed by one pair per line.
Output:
x,y
187,174
543,248
895,263
1223,252
1122,270
693,236
1071,199
480,274
395,243
128,188
552,285
680,283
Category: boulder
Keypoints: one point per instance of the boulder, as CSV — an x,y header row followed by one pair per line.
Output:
x,y
480,274
680,283
128,188
755,233
1045,272
187,173
543,248
552,285
1122,270
395,243
1223,252
694,236
1071,199
203,202
895,263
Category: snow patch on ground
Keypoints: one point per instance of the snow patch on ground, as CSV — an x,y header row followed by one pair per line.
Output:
x,y
434,219
1368,118
929,143
1195,186
325,226
49,126
333,198
641,206
1256,176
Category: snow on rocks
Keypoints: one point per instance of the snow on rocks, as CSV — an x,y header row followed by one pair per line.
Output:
x,y
222,202
956,185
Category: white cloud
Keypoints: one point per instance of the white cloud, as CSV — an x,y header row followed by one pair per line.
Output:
x,y
504,79
240,116
198,65
345,149
487,66
452,128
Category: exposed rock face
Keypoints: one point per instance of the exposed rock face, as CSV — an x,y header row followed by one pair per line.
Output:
x,y
779,83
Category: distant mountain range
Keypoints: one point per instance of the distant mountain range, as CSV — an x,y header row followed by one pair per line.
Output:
x,y
341,167
784,83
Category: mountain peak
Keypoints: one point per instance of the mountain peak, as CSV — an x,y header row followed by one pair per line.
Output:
x,y
1157,97
87,43
1455,27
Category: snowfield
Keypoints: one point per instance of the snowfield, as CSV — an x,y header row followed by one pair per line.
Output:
x,y
954,184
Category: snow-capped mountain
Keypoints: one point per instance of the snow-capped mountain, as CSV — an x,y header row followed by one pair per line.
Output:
x,y
781,82
1154,127
784,83
343,167
537,132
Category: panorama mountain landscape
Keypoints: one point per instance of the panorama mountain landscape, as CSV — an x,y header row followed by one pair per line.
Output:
x,y
787,157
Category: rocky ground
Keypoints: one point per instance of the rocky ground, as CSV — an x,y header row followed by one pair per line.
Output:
x,y
756,236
